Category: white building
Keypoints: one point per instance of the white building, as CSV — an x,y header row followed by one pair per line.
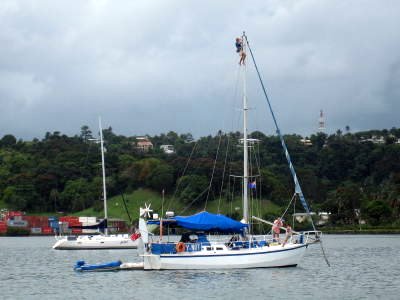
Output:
x,y
168,149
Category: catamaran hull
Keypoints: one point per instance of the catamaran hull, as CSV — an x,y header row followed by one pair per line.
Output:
x,y
96,243
248,258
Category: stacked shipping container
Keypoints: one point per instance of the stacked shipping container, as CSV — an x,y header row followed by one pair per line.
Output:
x,y
3,227
50,225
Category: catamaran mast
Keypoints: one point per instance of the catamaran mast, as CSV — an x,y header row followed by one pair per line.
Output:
x,y
104,176
245,147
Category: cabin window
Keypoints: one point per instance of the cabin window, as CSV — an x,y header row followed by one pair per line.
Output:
x,y
220,248
208,248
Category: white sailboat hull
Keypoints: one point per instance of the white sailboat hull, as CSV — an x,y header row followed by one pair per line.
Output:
x,y
87,242
263,257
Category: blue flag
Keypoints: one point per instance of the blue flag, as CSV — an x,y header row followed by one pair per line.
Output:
x,y
253,185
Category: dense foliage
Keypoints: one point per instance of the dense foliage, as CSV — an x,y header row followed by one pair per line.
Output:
x,y
349,175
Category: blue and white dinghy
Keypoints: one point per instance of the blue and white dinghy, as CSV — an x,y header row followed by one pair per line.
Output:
x,y
82,266
110,266
237,247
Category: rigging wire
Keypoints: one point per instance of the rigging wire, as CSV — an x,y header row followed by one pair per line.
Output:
x,y
194,200
126,208
223,173
291,167
227,148
183,173
233,194
213,171
298,190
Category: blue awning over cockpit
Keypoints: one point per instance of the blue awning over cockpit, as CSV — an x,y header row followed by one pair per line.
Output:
x,y
210,222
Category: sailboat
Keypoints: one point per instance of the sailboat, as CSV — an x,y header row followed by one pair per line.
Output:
x,y
101,241
199,249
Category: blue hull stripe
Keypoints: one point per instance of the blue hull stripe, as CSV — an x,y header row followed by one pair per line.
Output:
x,y
238,254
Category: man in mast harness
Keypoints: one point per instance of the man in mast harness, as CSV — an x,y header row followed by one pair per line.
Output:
x,y
239,49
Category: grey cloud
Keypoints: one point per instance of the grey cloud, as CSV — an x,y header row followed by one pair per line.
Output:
x,y
155,66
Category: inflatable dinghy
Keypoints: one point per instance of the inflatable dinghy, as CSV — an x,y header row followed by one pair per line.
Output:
x,y
81,266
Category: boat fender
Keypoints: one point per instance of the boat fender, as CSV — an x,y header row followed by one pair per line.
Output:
x,y
301,239
135,236
180,247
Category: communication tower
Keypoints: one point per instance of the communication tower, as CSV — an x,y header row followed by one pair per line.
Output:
x,y
321,121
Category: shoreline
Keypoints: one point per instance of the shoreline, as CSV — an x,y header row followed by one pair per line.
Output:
x,y
328,232
361,232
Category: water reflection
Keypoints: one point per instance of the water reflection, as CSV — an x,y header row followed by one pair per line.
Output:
x,y
362,267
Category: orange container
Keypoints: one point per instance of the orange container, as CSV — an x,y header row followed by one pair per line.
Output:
x,y
47,230
75,230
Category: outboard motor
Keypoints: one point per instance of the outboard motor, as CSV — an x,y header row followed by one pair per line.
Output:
x,y
79,264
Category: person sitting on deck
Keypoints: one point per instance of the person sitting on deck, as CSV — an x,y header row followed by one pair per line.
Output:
x,y
276,229
186,238
239,49
289,233
232,241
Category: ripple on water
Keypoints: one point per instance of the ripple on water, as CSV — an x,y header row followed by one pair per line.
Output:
x,y
362,267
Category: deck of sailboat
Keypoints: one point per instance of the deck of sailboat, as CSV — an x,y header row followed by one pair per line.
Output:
x,y
95,242
227,258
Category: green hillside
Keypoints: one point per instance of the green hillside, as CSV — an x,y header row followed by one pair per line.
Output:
x,y
139,197
353,176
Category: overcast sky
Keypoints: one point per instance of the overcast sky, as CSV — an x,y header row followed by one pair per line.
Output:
x,y
155,66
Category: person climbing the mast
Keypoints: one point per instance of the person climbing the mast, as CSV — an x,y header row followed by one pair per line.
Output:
x,y
239,49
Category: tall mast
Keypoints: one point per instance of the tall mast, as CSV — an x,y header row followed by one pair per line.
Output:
x,y
104,176
245,147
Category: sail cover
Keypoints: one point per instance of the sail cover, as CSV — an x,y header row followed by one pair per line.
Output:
x,y
210,222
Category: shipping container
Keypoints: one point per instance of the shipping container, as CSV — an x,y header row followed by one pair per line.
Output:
x,y
83,219
92,220
11,214
54,224
16,218
69,219
36,221
63,228
36,230
12,223
47,230
90,231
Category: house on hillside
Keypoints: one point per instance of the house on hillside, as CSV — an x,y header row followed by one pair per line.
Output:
x,y
143,144
374,139
168,149
306,141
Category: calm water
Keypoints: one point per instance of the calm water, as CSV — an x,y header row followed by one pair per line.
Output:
x,y
362,267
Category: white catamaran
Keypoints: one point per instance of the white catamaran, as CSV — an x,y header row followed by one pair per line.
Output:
x,y
198,249
101,241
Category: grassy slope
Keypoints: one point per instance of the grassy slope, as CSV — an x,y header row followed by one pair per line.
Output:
x,y
2,204
141,196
